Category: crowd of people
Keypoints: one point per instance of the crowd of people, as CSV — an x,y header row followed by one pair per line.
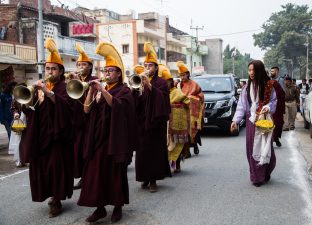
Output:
x,y
93,137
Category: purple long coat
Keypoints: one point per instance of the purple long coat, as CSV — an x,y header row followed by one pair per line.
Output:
x,y
258,173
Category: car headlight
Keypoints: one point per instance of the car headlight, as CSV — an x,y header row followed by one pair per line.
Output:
x,y
222,103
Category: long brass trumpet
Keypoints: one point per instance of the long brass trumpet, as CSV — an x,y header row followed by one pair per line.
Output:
x,y
24,95
76,88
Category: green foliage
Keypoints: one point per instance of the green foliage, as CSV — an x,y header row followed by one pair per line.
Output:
x,y
240,62
284,37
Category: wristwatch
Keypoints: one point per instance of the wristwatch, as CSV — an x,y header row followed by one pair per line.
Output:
x,y
50,94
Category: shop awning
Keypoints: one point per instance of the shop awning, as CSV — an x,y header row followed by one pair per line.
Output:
x,y
14,60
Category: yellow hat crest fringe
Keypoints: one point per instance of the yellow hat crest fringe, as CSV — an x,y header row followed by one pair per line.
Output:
x,y
111,55
54,56
83,57
151,55
182,67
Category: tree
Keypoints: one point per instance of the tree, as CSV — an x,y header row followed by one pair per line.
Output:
x,y
284,37
240,61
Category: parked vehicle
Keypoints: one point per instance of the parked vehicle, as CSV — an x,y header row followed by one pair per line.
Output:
x,y
307,113
221,99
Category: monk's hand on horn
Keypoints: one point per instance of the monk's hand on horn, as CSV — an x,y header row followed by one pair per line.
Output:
x,y
146,82
96,85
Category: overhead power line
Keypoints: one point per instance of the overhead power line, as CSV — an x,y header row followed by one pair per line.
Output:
x,y
239,32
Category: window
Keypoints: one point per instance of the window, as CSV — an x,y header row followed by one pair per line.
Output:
x,y
194,64
125,49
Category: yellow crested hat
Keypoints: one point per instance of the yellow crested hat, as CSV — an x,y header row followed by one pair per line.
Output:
x,y
164,72
138,69
111,55
151,56
182,67
83,57
54,56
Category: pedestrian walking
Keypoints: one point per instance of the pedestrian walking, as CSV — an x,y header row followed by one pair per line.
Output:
x,y
291,103
304,90
179,123
46,140
280,107
275,76
109,139
258,97
193,91
152,110
6,98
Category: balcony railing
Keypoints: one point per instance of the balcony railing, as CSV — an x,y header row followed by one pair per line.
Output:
x,y
24,52
67,46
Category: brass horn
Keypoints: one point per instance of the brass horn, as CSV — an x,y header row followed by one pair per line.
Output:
x,y
76,88
24,95
135,81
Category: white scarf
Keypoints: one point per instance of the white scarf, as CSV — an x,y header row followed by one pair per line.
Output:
x,y
262,142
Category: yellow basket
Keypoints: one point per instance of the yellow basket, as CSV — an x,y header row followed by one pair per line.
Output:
x,y
266,126
18,126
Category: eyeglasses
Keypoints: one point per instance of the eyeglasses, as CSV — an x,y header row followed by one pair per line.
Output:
x,y
109,70
148,65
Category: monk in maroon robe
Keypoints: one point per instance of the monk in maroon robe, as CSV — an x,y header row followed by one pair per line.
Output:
x,y
80,119
152,110
109,141
46,140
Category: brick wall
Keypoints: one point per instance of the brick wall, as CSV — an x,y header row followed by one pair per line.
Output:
x,y
33,3
8,18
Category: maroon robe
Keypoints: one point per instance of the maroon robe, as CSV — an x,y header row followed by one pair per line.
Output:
x,y
80,120
47,144
152,110
109,141
280,111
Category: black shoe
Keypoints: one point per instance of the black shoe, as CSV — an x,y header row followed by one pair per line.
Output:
x,y
188,155
278,143
267,178
99,213
196,150
117,214
258,184
286,129
292,128
144,185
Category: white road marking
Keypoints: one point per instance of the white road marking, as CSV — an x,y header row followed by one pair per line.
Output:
x,y
300,171
13,174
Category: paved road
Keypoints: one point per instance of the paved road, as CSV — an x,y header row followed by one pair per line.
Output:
x,y
213,188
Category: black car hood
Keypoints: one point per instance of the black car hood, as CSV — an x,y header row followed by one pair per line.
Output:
x,y
211,97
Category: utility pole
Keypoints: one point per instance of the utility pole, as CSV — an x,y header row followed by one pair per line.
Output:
x,y
196,43
307,71
233,61
40,41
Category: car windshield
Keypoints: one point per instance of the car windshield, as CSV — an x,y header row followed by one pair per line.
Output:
x,y
215,84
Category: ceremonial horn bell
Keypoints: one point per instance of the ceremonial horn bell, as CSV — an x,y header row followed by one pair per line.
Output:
x,y
23,95
76,88
135,81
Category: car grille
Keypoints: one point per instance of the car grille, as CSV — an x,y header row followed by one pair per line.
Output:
x,y
209,105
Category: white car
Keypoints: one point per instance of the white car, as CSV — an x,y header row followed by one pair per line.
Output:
x,y
307,112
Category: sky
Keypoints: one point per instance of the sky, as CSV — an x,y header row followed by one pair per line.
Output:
x,y
232,21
